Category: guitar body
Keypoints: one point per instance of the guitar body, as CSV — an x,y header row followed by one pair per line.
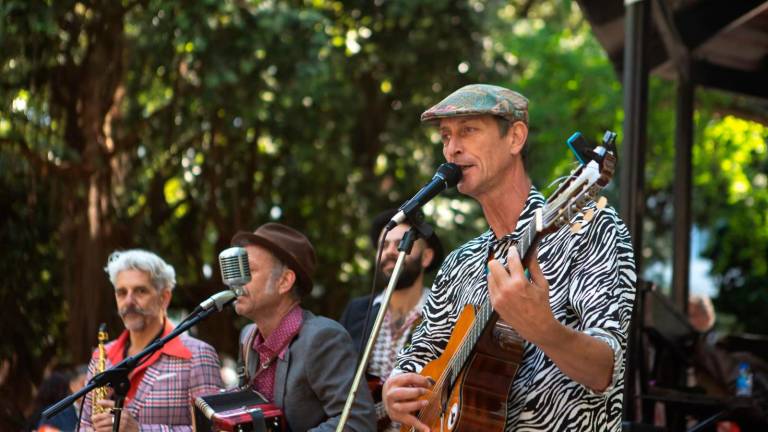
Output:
x,y
476,398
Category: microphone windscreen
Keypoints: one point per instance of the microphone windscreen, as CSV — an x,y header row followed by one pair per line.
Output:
x,y
450,172
234,267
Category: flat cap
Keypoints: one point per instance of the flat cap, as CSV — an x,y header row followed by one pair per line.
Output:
x,y
480,99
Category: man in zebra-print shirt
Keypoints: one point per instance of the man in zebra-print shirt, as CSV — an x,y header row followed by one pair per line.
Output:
x,y
573,312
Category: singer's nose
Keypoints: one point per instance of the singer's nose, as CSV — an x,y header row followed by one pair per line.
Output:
x,y
452,147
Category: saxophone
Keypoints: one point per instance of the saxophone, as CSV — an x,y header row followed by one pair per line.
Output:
x,y
101,364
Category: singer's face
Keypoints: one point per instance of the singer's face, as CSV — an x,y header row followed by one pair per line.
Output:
x,y
261,294
138,302
475,144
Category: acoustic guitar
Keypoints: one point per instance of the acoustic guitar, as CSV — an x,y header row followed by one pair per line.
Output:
x,y
473,376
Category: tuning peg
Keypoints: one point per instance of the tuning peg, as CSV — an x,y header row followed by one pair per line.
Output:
x,y
589,214
601,203
575,227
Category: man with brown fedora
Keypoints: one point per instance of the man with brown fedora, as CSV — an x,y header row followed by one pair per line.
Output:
x,y
404,310
300,362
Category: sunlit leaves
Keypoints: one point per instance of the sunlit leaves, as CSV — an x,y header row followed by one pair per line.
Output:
x,y
728,149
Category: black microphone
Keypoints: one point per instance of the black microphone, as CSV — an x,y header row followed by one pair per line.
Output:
x,y
447,176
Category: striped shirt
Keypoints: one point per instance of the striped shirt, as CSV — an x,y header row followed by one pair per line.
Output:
x,y
591,274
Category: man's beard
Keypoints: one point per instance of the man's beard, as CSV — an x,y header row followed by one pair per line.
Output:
x,y
411,271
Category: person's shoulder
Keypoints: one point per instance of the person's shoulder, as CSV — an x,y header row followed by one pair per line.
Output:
x,y
319,327
470,247
358,302
194,344
608,220
319,331
318,322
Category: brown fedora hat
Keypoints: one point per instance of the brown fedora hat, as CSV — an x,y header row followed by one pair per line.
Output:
x,y
290,246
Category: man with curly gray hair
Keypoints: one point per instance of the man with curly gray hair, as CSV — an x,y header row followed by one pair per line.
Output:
x,y
167,383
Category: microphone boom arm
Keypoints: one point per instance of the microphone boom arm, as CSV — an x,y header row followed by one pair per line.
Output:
x,y
117,376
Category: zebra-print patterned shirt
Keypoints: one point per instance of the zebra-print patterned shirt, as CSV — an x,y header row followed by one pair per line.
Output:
x,y
592,288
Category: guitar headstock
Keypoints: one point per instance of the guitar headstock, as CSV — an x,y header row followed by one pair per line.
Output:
x,y
579,188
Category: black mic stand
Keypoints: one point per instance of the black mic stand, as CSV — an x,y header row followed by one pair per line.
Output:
x,y
117,376
418,228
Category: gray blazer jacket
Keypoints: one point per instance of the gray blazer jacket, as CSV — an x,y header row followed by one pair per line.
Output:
x,y
313,379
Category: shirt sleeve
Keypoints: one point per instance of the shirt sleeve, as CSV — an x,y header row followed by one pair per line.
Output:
x,y
85,420
205,378
602,288
431,336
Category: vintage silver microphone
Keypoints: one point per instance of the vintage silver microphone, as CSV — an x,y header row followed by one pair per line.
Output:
x,y
235,271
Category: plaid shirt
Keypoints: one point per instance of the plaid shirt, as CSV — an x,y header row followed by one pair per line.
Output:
x,y
182,370
392,339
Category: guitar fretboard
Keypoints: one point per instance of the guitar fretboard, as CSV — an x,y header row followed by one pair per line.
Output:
x,y
485,312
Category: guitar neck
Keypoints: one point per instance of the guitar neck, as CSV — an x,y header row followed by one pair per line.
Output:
x,y
485,314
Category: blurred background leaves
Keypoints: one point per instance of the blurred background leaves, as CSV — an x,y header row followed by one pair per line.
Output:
x,y
171,125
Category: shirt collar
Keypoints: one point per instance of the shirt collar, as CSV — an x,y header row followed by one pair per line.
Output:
x,y
380,298
279,339
175,347
534,201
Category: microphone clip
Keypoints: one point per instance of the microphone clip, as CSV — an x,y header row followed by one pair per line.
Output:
x,y
417,222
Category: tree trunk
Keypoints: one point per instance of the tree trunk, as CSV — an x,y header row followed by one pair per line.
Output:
x,y
96,88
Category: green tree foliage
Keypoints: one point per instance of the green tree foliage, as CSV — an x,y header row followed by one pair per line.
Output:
x,y
170,126
732,185
551,57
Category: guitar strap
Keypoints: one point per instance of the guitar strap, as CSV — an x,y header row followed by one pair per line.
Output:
x,y
257,421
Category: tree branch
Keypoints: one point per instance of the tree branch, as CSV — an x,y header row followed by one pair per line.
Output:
x,y
63,169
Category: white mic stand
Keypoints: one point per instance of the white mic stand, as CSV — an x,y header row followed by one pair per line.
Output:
x,y
405,248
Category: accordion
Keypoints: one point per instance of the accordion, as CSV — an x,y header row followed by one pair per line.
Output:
x,y
239,411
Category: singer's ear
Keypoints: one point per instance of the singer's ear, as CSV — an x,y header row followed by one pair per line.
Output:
x,y
516,137
427,256
286,281
165,296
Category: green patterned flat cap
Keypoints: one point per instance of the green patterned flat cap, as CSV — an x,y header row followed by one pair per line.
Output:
x,y
479,99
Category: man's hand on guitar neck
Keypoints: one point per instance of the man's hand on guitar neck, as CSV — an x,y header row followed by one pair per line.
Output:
x,y
401,395
521,303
